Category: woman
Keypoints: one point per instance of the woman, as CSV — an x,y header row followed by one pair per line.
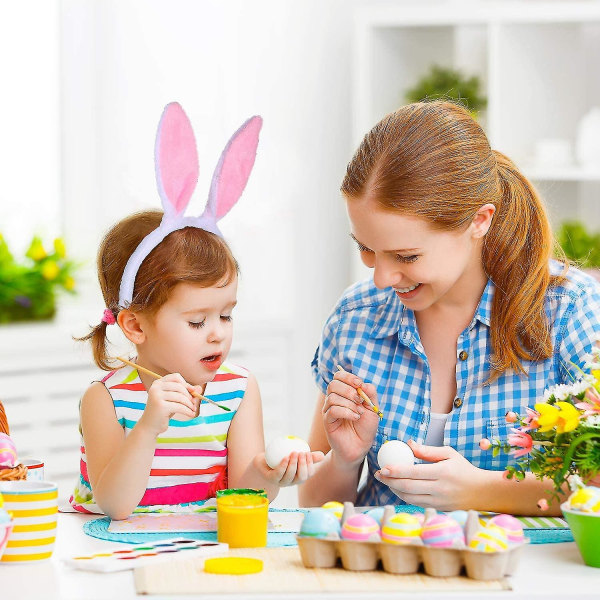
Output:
x,y
467,317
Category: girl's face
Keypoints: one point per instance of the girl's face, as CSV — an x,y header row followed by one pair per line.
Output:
x,y
192,331
424,266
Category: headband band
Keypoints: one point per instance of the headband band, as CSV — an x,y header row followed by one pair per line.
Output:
x,y
176,165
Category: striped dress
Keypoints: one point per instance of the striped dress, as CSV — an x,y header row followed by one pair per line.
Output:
x,y
190,459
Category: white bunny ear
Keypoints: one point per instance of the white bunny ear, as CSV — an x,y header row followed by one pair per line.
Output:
x,y
176,160
233,170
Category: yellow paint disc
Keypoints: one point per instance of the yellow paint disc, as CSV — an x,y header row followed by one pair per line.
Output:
x,y
233,565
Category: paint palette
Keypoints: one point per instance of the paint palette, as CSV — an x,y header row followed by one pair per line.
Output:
x,y
131,557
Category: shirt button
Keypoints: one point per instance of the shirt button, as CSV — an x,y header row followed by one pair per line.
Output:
x,y
463,355
458,402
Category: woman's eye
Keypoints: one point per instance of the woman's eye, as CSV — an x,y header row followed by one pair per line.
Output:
x,y
227,318
407,259
196,325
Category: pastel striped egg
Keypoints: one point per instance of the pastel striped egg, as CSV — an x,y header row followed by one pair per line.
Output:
x,y
442,531
8,452
512,527
402,528
337,508
490,538
360,527
319,523
376,513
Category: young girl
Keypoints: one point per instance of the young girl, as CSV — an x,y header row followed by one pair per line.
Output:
x,y
170,284
466,318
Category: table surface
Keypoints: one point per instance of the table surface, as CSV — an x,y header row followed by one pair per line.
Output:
x,y
549,571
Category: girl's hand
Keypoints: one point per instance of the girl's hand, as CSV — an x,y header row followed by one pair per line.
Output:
x,y
451,482
168,396
349,424
292,470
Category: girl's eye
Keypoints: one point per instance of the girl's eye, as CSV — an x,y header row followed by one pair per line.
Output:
x,y
407,259
362,248
197,325
227,318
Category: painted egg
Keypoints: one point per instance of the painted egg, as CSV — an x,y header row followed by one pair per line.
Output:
x,y
490,538
337,508
360,527
585,499
460,516
281,447
512,527
4,516
376,513
395,452
8,452
442,531
320,523
402,528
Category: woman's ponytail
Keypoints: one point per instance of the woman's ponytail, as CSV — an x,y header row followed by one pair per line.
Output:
x,y
516,256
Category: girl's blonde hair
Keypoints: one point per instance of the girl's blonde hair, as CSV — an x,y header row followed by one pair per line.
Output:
x,y
190,254
433,160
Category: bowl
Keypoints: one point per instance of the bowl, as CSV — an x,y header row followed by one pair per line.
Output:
x,y
586,531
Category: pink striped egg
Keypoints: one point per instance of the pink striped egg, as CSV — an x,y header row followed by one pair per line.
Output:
x,y
441,531
360,527
8,452
511,526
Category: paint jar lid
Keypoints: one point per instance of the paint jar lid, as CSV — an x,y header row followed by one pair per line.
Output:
x,y
233,565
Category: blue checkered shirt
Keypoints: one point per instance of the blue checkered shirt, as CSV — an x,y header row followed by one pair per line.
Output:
x,y
373,335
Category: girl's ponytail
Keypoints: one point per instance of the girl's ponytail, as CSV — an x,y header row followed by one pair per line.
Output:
x,y
98,339
516,256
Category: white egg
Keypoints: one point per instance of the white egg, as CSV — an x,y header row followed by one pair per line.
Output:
x,y
395,452
281,447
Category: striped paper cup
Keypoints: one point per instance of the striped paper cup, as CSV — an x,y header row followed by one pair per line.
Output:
x,y
34,506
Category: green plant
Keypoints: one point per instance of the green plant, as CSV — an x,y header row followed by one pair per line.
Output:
x,y
579,245
28,290
444,83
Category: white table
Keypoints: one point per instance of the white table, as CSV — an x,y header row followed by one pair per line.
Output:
x,y
549,571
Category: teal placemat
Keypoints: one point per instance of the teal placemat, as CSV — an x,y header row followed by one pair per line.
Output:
x,y
539,530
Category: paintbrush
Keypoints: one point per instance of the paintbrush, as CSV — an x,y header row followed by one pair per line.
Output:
x,y
364,396
157,376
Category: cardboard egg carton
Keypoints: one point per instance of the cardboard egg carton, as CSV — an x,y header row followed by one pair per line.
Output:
x,y
406,559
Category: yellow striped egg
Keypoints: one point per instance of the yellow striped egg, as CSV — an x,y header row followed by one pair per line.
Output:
x,y
585,499
402,528
337,508
490,538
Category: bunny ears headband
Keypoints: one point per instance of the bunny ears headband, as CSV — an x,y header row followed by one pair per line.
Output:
x,y
176,163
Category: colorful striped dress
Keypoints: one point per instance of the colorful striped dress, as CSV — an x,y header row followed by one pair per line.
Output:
x,y
190,459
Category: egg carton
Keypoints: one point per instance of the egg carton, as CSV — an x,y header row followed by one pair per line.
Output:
x,y
406,559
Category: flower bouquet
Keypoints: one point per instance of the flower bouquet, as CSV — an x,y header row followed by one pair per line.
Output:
x,y
559,439
28,290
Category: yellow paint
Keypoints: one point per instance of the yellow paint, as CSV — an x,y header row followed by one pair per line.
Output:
x,y
242,520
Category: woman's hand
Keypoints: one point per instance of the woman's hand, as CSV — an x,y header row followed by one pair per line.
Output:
x,y
349,424
292,470
451,482
168,396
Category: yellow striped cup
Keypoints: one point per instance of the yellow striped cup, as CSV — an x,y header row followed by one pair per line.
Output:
x,y
34,506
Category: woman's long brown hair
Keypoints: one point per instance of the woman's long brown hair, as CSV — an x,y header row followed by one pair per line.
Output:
x,y
433,160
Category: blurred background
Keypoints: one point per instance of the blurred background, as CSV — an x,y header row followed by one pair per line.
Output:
x,y
85,82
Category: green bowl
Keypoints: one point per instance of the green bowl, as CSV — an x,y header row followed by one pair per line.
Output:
x,y
586,531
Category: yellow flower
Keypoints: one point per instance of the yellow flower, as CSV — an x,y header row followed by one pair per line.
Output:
x,y
50,270
568,418
36,250
548,418
69,283
59,247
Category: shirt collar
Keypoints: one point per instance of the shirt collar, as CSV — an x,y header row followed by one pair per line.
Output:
x,y
394,318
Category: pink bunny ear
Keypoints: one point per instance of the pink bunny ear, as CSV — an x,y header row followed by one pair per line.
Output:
x,y
233,169
176,160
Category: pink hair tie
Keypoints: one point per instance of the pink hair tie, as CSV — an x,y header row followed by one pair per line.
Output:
x,y
108,317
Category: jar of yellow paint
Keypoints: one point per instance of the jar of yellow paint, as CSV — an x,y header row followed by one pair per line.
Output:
x,y
242,519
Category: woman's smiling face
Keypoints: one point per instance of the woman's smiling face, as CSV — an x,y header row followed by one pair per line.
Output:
x,y
423,265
